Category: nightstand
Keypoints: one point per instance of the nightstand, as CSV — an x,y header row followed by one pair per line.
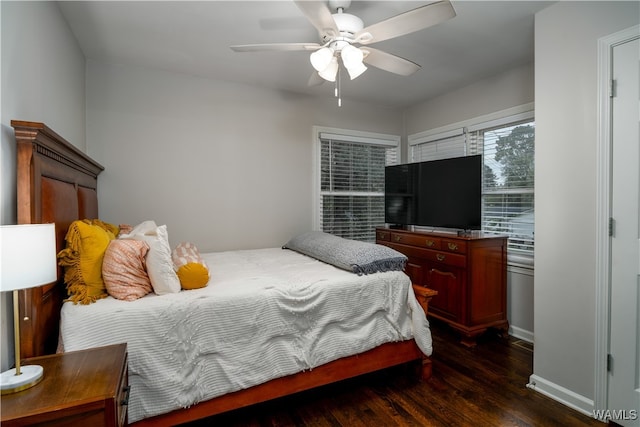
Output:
x,y
87,387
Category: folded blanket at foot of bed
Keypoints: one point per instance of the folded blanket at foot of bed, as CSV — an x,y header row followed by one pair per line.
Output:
x,y
351,255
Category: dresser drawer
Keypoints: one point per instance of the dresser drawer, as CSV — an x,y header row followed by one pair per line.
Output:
x,y
417,240
455,246
384,236
446,258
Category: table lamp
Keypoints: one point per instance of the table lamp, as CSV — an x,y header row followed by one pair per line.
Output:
x,y
28,259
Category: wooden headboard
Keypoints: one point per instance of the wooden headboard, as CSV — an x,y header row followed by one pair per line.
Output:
x,y
56,183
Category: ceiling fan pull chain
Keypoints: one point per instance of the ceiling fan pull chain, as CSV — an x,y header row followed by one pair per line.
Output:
x,y
339,88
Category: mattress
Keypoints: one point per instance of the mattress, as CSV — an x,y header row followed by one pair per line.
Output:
x,y
264,314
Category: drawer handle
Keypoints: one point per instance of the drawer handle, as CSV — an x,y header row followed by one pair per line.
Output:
x,y
430,243
442,273
440,257
453,246
127,393
397,238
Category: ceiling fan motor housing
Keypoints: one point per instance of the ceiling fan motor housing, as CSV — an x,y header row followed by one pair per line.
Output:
x,y
348,24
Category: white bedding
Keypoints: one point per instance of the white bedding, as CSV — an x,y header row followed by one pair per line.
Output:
x,y
265,314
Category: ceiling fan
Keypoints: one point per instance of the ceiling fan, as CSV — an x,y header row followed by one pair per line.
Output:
x,y
341,32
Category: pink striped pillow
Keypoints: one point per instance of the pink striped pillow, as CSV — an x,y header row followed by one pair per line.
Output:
x,y
124,269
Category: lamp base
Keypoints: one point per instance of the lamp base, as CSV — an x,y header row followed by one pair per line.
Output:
x,y
30,375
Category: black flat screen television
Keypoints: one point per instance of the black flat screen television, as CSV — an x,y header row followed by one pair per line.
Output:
x,y
440,193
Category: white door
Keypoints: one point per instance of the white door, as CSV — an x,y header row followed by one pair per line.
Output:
x,y
624,346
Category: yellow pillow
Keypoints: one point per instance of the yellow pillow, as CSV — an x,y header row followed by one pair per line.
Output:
x,y
193,275
111,228
190,267
87,241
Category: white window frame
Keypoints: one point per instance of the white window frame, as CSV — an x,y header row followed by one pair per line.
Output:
x,y
319,132
521,112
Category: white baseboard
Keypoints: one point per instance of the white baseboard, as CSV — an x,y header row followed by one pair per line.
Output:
x,y
565,396
520,333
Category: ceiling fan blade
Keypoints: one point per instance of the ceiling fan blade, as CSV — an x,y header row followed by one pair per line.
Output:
x,y
315,80
388,62
318,13
405,23
275,47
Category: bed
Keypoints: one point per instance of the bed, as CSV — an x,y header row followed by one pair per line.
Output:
x,y
58,183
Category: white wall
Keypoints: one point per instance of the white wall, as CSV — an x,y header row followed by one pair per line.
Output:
x,y
565,253
224,165
510,89
43,81
520,307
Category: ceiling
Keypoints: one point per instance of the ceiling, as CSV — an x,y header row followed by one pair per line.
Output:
x,y
485,38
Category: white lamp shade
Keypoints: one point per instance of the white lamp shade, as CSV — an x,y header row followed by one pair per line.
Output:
x,y
351,55
352,59
331,71
28,256
355,70
321,58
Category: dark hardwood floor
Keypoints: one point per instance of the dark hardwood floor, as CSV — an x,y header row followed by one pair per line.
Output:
x,y
483,386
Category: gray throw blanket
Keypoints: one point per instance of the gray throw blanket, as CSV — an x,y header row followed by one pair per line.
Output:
x,y
351,255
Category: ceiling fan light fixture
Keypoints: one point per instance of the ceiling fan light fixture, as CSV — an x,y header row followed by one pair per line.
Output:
x,y
339,32
356,70
330,72
352,59
321,58
351,55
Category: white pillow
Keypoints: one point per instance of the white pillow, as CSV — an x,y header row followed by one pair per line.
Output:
x,y
164,279
142,228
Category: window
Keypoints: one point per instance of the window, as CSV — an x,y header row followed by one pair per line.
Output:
x,y
507,146
441,146
507,199
350,200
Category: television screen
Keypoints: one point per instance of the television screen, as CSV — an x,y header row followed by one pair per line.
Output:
x,y
440,193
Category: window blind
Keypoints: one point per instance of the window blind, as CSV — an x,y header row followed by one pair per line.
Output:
x,y
440,146
508,183
352,184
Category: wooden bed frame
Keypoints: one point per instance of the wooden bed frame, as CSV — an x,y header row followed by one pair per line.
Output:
x,y
57,183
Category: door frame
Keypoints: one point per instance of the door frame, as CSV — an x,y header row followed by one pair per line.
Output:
x,y
603,209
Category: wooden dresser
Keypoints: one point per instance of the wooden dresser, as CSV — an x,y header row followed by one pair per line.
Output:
x,y
468,272
87,388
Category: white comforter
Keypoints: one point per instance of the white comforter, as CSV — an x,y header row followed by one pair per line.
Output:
x,y
265,314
